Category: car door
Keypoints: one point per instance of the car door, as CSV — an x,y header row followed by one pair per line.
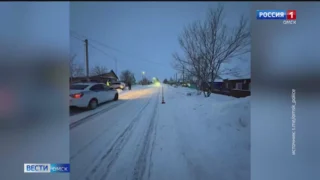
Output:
x,y
103,93
98,92
109,92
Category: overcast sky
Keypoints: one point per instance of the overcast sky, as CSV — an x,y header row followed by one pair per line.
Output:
x,y
141,35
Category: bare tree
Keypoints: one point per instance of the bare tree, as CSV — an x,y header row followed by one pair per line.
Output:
x,y
127,76
75,69
98,70
209,44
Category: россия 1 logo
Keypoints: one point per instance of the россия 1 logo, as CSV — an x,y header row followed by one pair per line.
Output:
x,y
46,168
288,16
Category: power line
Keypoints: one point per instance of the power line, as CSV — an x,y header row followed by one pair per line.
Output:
x,y
103,52
77,38
107,46
84,37
115,49
115,59
94,47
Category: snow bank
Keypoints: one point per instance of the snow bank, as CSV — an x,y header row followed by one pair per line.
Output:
x,y
229,120
193,92
212,134
234,111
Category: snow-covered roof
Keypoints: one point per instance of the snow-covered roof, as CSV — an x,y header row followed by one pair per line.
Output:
x,y
218,80
230,77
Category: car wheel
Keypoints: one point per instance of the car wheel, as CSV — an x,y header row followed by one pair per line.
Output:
x,y
116,97
93,104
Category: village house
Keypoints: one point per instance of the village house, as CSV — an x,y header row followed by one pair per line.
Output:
x,y
102,78
237,87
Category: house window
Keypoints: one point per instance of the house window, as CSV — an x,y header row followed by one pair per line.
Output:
x,y
238,85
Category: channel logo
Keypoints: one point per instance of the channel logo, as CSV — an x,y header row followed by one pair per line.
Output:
x,y
288,16
60,168
37,168
277,14
46,168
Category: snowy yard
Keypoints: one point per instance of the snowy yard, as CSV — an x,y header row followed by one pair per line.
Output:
x,y
188,137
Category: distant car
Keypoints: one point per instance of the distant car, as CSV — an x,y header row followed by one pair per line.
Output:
x,y
90,95
118,85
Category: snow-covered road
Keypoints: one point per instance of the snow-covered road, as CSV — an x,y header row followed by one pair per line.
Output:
x,y
189,138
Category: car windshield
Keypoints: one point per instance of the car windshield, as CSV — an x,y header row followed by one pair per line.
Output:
x,y
78,87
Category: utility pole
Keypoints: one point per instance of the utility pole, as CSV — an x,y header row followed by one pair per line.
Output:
x,y
116,65
183,74
87,58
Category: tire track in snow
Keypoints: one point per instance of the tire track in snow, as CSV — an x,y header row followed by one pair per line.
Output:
x,y
98,136
148,145
92,141
106,145
90,117
106,162
153,145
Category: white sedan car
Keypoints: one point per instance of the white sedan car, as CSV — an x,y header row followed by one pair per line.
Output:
x,y
90,95
118,85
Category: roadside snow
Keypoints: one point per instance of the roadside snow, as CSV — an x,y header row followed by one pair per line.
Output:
x,y
188,137
202,138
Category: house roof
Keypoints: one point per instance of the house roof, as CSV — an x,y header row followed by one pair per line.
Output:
x,y
218,80
110,74
244,76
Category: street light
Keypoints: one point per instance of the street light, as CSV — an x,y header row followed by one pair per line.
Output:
x,y
143,74
143,77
